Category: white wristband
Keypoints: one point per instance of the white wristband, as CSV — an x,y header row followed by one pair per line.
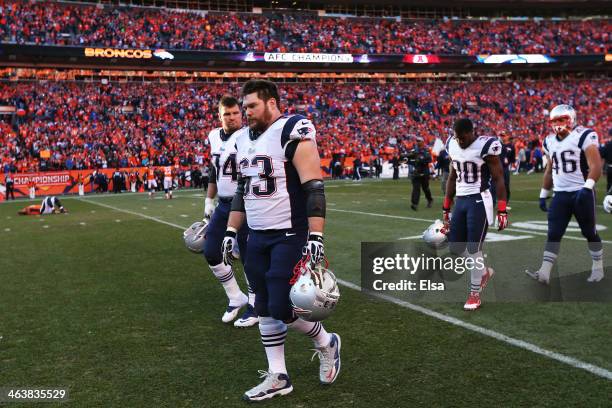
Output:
x,y
232,229
317,233
544,193
590,183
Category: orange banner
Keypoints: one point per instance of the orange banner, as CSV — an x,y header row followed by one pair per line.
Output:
x,y
58,182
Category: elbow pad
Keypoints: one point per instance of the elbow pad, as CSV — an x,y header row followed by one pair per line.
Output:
x,y
238,200
315,198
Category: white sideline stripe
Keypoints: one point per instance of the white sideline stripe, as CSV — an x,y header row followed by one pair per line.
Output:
x,y
599,371
401,217
411,237
133,213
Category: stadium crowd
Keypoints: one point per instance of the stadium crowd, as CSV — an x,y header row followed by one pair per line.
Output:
x,y
54,23
72,125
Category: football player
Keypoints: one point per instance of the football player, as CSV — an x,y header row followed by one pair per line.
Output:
x,y
573,167
280,193
168,176
474,162
50,205
223,182
151,182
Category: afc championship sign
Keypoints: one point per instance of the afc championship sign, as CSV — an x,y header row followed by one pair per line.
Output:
x,y
308,58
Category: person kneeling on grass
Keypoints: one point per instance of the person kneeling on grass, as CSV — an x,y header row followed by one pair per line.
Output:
x,y
50,205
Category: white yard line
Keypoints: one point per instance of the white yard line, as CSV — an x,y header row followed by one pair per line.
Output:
x,y
401,217
598,371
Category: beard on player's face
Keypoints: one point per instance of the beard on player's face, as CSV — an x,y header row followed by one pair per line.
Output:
x,y
259,122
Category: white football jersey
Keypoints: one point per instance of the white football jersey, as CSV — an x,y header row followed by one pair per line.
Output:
x,y
223,158
273,198
569,164
48,205
473,175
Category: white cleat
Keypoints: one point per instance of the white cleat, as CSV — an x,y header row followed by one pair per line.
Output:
x,y
539,276
249,318
330,360
232,311
273,384
596,275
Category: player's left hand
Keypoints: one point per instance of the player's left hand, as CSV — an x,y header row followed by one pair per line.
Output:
x,y
502,215
313,251
228,247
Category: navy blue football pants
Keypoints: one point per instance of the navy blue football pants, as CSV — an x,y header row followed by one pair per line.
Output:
x,y
271,258
564,204
469,223
216,232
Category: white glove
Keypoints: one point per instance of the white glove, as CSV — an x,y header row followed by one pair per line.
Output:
x,y
314,249
209,207
229,246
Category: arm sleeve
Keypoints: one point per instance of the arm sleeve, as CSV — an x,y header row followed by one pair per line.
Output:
x,y
238,200
212,173
315,198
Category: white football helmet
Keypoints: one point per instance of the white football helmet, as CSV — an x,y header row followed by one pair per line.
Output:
x,y
563,111
195,236
607,203
315,294
435,235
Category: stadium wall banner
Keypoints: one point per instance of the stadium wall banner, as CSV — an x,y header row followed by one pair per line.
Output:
x,y
59,182
67,181
26,55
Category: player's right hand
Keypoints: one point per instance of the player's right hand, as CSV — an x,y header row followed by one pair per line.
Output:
x,y
209,207
446,212
543,204
544,193
228,247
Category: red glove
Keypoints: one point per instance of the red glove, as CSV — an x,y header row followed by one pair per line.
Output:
x,y
446,212
502,215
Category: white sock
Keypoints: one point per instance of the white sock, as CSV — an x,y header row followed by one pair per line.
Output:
x,y
597,270
597,257
225,275
314,330
250,291
273,333
477,271
548,260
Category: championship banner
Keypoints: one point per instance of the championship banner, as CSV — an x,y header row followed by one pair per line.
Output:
x,y
58,182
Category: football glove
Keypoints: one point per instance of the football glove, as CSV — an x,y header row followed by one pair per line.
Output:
x,y
446,213
543,197
313,251
209,207
229,246
502,215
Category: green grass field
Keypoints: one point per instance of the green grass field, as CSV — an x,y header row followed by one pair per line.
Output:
x,y
107,302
